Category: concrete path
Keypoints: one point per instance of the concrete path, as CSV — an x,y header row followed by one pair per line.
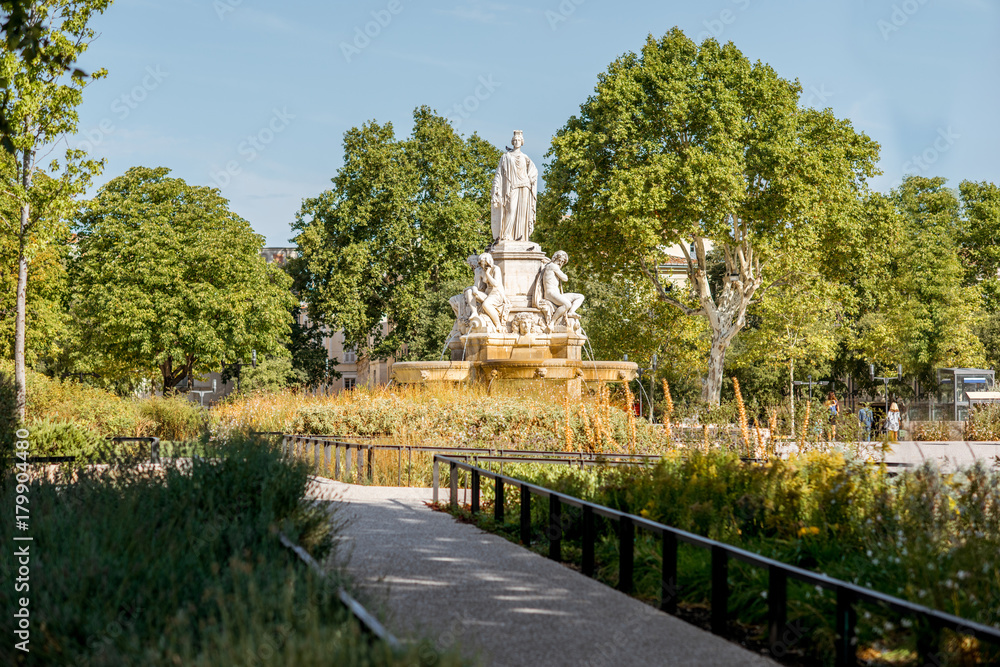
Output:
x,y
496,601
948,455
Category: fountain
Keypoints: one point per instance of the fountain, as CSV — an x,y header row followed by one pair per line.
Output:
x,y
515,323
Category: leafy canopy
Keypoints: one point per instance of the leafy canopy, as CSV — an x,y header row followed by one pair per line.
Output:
x,y
396,226
683,144
169,281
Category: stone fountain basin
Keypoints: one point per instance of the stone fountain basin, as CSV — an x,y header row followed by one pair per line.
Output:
x,y
415,372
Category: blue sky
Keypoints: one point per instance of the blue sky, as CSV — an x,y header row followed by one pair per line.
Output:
x,y
253,96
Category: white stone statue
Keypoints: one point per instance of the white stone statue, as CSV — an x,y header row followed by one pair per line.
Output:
x,y
492,299
515,189
549,297
466,304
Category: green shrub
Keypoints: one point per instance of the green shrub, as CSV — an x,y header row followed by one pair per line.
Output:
x,y
272,374
8,418
924,536
983,423
62,438
174,417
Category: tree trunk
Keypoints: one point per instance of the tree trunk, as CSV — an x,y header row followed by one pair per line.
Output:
x,y
711,390
20,374
791,391
171,377
726,314
20,323
726,321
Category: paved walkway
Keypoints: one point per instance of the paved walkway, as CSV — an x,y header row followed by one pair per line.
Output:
x,y
496,601
949,455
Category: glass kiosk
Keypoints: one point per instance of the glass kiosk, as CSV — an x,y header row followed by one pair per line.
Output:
x,y
954,385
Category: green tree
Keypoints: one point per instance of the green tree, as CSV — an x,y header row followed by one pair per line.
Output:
x,y
795,323
685,144
924,315
396,226
168,281
38,107
308,355
980,238
625,316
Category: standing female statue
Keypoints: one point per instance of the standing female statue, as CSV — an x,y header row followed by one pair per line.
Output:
x,y
515,188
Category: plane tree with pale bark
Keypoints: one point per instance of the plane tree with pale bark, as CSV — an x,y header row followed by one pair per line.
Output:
x,y
691,145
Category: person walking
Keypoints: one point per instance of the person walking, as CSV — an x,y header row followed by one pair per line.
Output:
x,y
892,423
865,417
832,406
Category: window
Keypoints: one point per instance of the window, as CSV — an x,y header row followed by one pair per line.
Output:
x,y
967,384
350,355
349,383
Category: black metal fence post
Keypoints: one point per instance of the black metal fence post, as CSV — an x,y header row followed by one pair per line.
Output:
x,y
668,578
525,515
498,502
846,621
720,590
777,610
626,554
453,481
555,528
371,464
929,644
475,492
587,557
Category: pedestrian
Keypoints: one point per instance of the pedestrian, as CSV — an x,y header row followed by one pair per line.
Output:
x,y
892,423
865,417
832,406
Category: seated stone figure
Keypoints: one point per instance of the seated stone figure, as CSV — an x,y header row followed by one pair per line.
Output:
x,y
557,306
465,304
493,303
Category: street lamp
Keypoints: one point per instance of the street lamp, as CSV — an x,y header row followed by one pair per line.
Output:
x,y
885,381
652,388
796,383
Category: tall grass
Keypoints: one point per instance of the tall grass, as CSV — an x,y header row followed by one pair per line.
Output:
x,y
182,565
63,412
467,416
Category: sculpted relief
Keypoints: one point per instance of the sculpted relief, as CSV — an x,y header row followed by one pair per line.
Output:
x,y
557,307
484,305
543,308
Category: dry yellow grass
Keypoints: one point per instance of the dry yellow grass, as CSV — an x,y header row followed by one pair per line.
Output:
x,y
540,417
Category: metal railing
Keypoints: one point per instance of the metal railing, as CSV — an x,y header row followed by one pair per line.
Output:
x,y
339,455
847,594
368,622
